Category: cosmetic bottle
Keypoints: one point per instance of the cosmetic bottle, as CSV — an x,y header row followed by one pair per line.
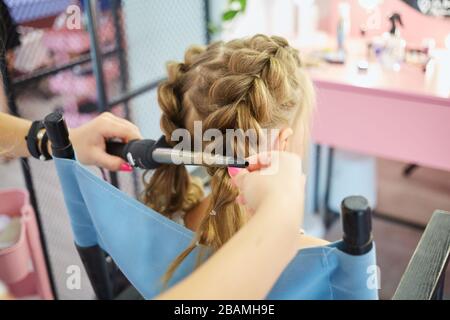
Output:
x,y
4,294
342,30
9,231
343,26
394,45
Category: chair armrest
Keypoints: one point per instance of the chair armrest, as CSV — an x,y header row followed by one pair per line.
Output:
x,y
424,275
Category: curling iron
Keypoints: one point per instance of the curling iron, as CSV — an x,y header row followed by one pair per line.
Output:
x,y
150,154
145,154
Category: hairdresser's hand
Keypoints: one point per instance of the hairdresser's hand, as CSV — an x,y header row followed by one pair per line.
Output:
x,y
89,140
274,178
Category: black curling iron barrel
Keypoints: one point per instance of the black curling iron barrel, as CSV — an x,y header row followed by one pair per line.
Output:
x,y
357,225
150,154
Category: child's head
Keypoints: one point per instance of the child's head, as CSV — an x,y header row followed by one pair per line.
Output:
x,y
251,83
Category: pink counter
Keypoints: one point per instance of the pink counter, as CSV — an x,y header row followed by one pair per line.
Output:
x,y
402,115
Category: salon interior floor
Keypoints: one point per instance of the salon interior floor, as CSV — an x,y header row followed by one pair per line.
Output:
x,y
412,198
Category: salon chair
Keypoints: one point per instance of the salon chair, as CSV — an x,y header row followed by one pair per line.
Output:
x,y
423,279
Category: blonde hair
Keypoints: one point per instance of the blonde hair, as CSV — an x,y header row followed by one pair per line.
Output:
x,y
249,83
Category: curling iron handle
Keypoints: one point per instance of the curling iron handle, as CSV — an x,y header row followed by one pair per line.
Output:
x,y
150,154
137,153
116,149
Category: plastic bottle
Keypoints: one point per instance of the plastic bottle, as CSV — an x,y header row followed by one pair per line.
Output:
x,y
4,294
9,231
343,26
395,46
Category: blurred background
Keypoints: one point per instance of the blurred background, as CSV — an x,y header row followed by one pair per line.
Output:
x,y
381,70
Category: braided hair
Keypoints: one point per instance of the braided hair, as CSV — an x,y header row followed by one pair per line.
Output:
x,y
250,83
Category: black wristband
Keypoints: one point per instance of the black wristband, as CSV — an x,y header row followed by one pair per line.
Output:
x,y
32,140
44,147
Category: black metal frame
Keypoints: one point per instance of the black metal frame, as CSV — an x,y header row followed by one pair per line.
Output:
x,y
26,79
207,21
95,56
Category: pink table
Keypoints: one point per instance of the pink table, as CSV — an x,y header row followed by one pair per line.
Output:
x,y
396,115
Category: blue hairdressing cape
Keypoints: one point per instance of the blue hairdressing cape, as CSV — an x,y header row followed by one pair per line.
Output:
x,y
143,243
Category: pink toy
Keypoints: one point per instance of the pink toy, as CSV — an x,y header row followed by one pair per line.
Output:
x,y
15,269
68,84
76,41
70,41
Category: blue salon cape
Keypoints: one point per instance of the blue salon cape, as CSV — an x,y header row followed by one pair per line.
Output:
x,y
143,243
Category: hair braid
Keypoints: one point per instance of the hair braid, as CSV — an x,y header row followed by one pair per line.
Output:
x,y
170,188
251,83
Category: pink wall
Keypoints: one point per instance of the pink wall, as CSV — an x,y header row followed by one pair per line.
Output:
x,y
416,26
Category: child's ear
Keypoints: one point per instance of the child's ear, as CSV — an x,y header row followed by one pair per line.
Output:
x,y
281,141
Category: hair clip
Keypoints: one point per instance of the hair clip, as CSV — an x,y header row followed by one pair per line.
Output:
x,y
213,212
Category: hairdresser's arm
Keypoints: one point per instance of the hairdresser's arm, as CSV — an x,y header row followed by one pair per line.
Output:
x,y
88,140
12,136
248,265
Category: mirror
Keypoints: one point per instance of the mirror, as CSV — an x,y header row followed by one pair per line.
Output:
x,y
437,8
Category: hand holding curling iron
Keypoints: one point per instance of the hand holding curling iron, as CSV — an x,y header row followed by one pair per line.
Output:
x,y
89,140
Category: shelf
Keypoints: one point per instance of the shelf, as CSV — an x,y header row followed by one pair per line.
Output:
x,y
45,72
